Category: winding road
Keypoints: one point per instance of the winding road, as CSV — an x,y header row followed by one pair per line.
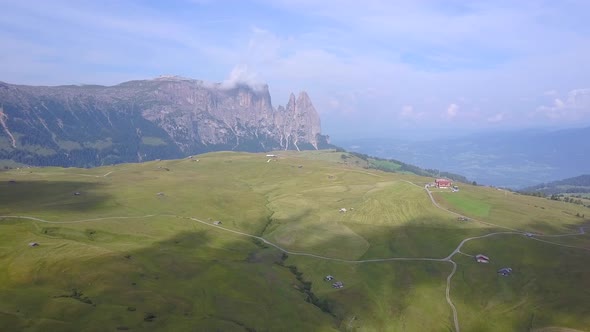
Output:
x,y
448,258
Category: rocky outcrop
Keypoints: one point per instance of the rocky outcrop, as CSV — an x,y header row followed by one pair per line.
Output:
x,y
167,117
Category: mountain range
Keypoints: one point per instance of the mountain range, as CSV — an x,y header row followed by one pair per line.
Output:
x,y
514,159
166,117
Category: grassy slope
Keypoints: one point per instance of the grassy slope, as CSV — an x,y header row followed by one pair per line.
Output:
x,y
189,275
509,209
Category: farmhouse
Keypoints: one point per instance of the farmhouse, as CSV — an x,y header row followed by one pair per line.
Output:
x,y
443,183
482,259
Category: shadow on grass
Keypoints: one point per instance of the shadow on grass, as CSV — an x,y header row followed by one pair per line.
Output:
x,y
25,196
211,280
194,281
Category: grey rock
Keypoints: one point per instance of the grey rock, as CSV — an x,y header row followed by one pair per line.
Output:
x,y
166,117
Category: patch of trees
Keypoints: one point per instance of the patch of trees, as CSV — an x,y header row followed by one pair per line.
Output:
x,y
576,185
567,199
76,295
305,288
574,199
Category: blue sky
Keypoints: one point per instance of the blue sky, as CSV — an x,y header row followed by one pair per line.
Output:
x,y
372,67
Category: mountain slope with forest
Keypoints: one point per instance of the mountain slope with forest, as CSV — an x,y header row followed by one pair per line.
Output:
x,y
575,185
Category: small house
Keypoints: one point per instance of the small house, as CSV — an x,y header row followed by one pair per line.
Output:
x,y
528,234
506,271
338,284
443,183
328,278
33,244
217,222
271,155
482,258
343,210
77,193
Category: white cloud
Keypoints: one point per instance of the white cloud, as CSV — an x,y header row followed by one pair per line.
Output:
x,y
242,74
452,111
409,113
574,106
498,117
550,93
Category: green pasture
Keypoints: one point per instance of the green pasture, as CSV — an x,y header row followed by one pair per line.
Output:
x,y
526,213
122,254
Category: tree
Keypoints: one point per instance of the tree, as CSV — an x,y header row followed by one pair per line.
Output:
x,y
474,183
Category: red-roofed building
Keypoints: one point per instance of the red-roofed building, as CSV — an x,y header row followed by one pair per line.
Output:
x,y
443,183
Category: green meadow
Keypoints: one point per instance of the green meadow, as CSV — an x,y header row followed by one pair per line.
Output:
x,y
118,250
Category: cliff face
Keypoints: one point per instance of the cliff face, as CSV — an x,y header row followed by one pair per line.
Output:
x,y
141,120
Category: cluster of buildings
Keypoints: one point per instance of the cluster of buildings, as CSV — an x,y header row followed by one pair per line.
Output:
x,y
337,284
505,271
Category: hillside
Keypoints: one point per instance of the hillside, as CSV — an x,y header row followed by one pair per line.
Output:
x,y
575,185
241,241
162,118
515,159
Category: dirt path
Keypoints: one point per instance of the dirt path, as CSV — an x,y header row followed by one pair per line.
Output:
x,y
80,221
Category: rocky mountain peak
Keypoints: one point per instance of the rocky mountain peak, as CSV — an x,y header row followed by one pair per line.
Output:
x,y
165,117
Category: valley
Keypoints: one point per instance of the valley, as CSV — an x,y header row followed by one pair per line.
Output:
x,y
237,241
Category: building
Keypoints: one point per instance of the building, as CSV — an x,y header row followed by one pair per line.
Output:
x,y
482,259
443,183
338,284
33,244
506,271
217,222
343,210
328,278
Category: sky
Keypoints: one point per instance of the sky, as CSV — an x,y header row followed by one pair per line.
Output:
x,y
372,68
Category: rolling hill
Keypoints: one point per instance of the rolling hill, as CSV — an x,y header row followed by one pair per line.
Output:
x,y
240,241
